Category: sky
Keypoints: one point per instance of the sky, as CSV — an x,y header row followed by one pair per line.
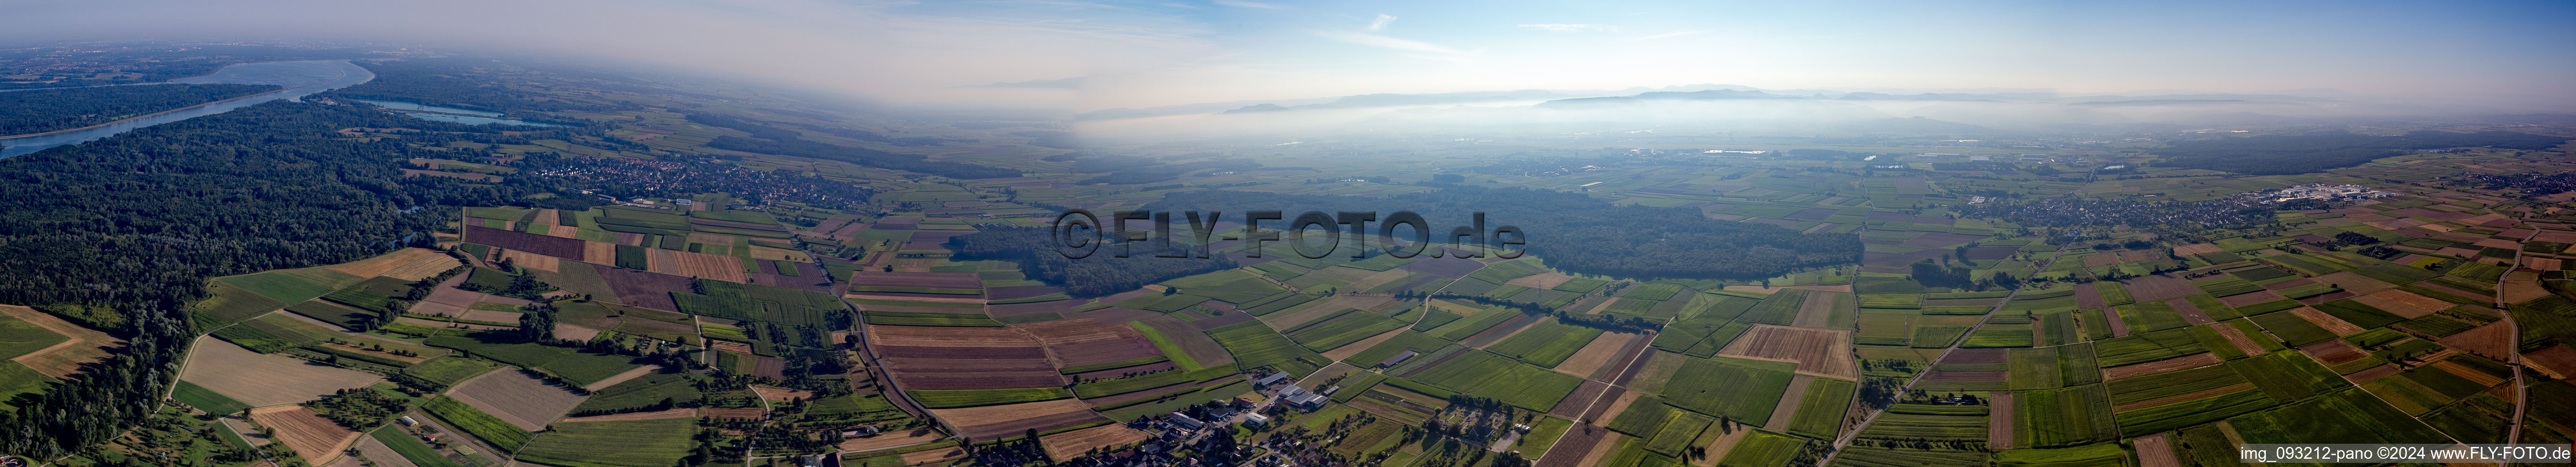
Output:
x,y
1087,55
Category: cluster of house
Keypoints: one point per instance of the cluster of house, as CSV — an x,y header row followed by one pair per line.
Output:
x,y
2327,192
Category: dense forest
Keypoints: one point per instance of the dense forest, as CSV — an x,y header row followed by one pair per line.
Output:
x,y
456,82
130,227
773,140
44,110
1577,233
1034,249
2290,154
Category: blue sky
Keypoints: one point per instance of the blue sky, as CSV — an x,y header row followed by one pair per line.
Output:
x,y
1278,49
1145,53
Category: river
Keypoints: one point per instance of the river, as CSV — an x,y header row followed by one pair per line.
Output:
x,y
302,78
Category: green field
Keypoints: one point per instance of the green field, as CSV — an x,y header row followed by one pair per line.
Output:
x,y
2172,383
1232,286
2147,347
926,318
2079,456
291,285
2287,375
1933,422
1408,340
482,425
226,303
2178,415
2292,329
627,443
18,337
1545,343
411,449
1820,412
1163,343
1255,345
205,399
2029,369
1114,386
585,368
1464,328
1166,303
1510,381
1344,328
2062,417
761,303
379,294
954,398
1734,388
643,391
1763,449
2344,416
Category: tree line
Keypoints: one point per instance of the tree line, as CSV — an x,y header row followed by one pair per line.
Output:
x,y
773,140
39,111
1574,232
133,225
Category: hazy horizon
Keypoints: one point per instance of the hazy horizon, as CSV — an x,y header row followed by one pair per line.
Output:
x,y
1084,56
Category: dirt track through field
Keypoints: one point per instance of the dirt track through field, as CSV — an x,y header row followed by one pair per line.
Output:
x,y
1999,420
525,402
2157,451
1787,409
2238,337
1821,352
263,380
2171,364
1600,351
2203,394
317,439
1819,308
1071,444
2190,312
620,378
62,359
382,455
2323,320
2111,317
654,415
1363,345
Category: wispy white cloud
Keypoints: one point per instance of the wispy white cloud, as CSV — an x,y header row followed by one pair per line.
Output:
x,y
1381,21
1573,27
1247,4
1668,34
1374,40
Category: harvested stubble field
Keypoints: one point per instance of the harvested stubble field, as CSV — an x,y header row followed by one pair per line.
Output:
x,y
263,380
514,397
319,440
1600,352
1002,421
1071,444
398,264
700,265
1086,341
1820,352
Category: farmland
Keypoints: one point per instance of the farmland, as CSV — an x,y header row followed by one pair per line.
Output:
x,y
637,443
1255,345
1486,374
734,273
